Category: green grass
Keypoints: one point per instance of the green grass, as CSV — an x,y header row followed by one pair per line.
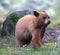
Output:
x,y
48,49
8,47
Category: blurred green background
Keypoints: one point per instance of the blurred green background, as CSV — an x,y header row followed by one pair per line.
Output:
x,y
52,7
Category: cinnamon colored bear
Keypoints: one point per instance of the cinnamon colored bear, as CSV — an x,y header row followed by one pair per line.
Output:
x,y
31,28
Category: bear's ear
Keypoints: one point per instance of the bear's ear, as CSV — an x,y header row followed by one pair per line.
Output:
x,y
36,13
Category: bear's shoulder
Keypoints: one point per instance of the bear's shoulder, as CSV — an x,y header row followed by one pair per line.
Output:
x,y
27,18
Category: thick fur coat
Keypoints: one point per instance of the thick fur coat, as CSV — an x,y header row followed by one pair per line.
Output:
x,y
31,28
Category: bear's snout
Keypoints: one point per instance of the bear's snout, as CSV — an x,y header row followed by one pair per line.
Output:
x,y
49,22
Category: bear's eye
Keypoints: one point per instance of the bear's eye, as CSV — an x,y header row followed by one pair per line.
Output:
x,y
44,18
48,17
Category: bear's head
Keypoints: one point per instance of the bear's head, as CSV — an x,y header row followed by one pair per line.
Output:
x,y
43,20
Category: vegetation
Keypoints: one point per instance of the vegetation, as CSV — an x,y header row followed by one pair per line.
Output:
x,y
55,20
8,47
48,49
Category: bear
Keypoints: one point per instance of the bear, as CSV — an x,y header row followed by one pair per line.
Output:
x,y
31,28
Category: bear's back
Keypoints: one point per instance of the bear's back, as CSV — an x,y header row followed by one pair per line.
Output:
x,y
26,20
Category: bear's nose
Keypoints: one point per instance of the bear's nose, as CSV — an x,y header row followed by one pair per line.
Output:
x,y
49,22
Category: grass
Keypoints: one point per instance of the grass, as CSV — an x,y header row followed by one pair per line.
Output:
x,y
44,50
8,47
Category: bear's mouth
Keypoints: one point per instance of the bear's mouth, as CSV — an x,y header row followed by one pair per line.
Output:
x,y
41,24
47,23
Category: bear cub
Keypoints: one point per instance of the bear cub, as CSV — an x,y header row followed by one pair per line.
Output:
x,y
31,28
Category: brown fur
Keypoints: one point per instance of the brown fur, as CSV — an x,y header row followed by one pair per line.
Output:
x,y
31,28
